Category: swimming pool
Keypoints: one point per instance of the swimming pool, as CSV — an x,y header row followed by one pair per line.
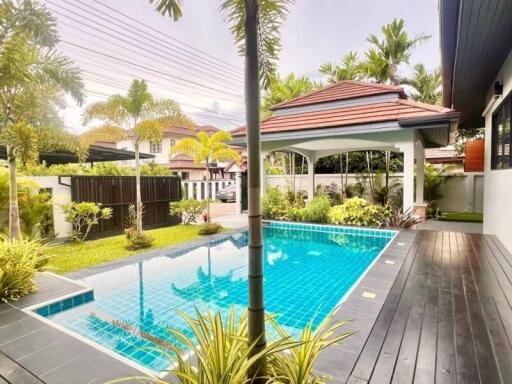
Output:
x,y
308,270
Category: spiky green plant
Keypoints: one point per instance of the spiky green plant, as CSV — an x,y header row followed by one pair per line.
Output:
x,y
20,259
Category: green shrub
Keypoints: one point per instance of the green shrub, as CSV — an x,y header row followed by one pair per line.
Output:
x,y
274,204
355,190
357,211
83,216
317,210
19,262
209,229
137,240
189,210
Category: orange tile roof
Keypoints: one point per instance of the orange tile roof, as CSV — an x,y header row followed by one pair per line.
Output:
x,y
394,110
343,90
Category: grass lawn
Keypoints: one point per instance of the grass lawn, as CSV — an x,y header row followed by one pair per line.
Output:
x,y
469,217
72,257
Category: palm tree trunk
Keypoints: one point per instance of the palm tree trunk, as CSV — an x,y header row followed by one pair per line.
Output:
x,y
207,191
137,187
256,309
14,213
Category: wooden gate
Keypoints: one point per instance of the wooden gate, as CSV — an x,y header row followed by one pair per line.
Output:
x,y
118,192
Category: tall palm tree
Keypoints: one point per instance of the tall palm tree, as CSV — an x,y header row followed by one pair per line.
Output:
x,y
136,116
255,25
281,90
349,68
29,66
427,85
383,59
205,149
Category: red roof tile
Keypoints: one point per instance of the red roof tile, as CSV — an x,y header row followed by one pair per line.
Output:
x,y
343,90
394,110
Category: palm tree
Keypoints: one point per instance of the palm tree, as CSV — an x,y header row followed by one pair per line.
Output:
x,y
29,66
136,116
383,59
255,26
427,85
281,90
205,149
349,68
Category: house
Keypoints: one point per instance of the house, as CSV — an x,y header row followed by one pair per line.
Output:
x,y
357,116
178,163
476,51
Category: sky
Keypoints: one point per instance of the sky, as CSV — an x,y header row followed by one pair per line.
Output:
x,y
195,61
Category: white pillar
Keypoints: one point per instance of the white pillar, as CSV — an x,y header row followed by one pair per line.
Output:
x,y
311,177
190,193
408,179
420,171
238,193
214,189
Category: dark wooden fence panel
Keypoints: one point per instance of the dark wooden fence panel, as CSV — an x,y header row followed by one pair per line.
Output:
x,y
118,192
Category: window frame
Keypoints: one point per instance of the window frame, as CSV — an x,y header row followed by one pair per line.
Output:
x,y
496,140
155,146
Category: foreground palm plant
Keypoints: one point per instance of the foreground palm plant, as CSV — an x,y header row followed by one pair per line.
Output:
x,y
217,351
137,117
403,219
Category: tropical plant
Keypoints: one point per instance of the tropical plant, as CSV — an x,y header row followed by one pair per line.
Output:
x,y
383,59
433,178
349,68
206,149
137,117
209,229
255,26
20,259
135,239
317,210
357,211
281,90
83,216
274,204
427,85
332,191
153,169
34,203
189,210
402,219
31,70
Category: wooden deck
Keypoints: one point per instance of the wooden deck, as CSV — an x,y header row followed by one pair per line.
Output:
x,y
447,318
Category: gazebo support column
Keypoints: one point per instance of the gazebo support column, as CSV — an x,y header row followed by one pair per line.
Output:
x,y
311,177
420,172
408,179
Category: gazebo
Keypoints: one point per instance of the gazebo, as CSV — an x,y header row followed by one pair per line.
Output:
x,y
357,116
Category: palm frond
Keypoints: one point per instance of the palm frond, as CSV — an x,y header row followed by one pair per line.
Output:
x,y
189,147
110,111
170,7
21,138
149,130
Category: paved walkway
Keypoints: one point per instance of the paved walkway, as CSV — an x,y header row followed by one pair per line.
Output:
x,y
450,226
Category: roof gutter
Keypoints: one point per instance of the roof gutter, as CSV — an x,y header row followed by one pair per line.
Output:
x,y
413,122
449,31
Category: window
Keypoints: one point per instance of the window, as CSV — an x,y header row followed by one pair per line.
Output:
x,y
501,133
184,176
173,142
155,146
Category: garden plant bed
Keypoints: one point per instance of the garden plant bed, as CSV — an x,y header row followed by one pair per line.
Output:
x,y
468,217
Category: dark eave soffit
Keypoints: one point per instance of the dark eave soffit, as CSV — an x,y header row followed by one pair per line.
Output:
x,y
475,41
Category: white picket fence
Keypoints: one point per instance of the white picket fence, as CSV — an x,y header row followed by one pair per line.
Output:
x,y
196,189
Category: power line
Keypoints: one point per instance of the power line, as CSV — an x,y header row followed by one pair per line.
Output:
x,y
147,68
167,36
131,43
129,26
158,80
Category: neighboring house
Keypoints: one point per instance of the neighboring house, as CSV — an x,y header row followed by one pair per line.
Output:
x,y
444,155
476,48
357,116
180,164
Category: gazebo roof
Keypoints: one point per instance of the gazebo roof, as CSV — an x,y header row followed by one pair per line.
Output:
x,y
352,106
343,90
96,154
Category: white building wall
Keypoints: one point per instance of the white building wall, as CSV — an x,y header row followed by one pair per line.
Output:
x,y
498,183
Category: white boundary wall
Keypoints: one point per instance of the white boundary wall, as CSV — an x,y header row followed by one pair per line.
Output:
x,y
461,192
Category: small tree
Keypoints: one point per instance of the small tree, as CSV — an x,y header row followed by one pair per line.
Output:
x,y
189,210
205,149
83,216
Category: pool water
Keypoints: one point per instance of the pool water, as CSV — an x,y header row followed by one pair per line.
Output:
x,y
308,270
